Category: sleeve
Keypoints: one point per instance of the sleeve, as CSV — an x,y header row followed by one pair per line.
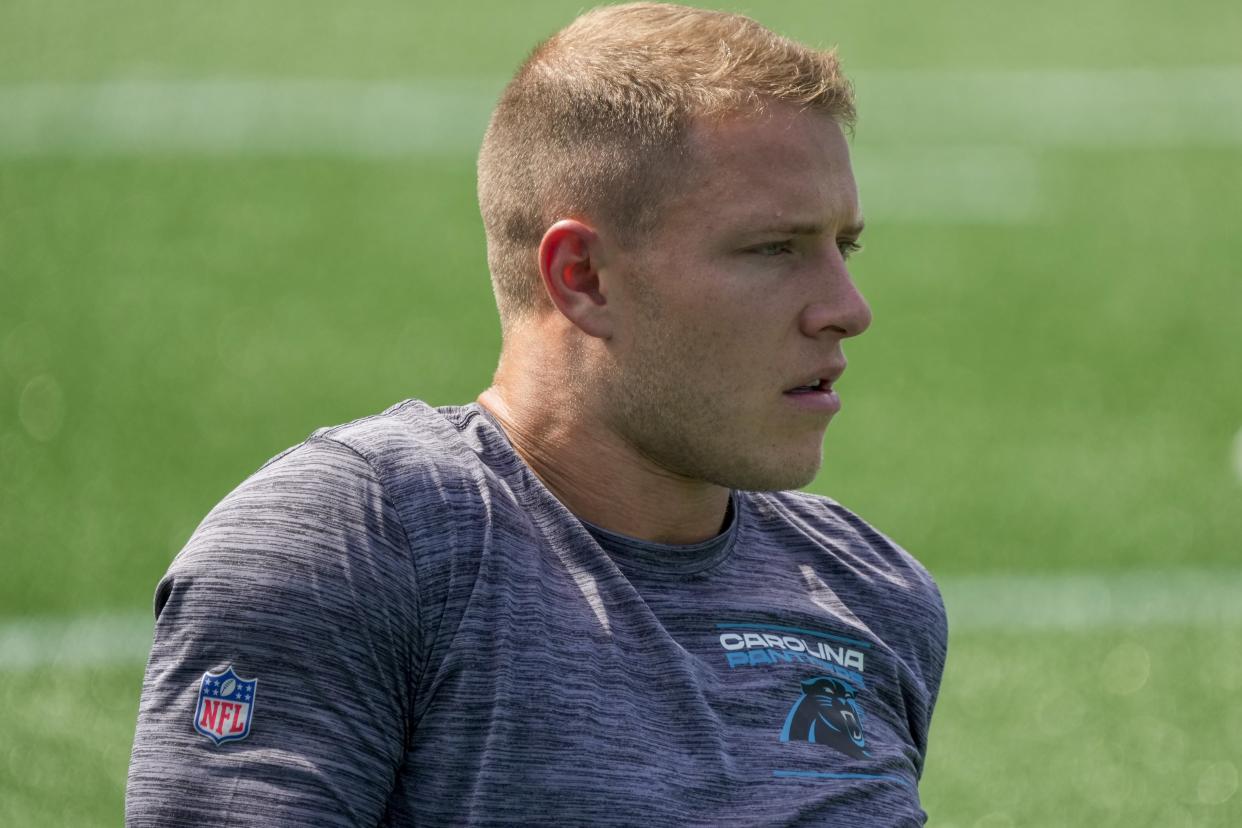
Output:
x,y
937,647
286,645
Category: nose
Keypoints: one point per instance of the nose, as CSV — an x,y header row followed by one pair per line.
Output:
x,y
838,308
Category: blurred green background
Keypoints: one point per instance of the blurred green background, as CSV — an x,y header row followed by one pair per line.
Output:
x,y
224,225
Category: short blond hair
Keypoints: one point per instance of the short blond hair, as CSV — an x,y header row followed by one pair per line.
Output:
x,y
594,124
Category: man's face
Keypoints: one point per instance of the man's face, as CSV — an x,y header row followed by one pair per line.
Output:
x,y
736,300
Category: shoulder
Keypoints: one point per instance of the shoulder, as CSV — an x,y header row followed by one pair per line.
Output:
x,y
363,480
416,450
885,586
315,514
400,494
411,460
824,517
868,552
302,578
411,437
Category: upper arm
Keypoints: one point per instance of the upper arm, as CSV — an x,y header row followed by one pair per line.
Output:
x,y
302,578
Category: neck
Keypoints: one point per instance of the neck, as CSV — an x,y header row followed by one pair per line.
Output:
x,y
598,475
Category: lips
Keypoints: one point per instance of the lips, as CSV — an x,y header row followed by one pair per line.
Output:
x,y
815,396
819,382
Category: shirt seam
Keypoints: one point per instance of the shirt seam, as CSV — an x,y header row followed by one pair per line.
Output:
x,y
410,557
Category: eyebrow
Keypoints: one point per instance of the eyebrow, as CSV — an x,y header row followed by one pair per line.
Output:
x,y
812,229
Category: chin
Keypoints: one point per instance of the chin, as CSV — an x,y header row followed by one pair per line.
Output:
x,y
779,480
764,475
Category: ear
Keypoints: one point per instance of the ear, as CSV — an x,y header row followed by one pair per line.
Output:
x,y
569,262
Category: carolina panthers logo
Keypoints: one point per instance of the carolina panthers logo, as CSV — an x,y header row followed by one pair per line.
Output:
x,y
827,714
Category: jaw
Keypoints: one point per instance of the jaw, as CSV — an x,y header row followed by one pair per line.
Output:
x,y
788,461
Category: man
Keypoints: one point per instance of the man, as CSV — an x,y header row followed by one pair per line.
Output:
x,y
584,599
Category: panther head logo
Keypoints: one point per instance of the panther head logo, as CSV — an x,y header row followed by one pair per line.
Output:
x,y
827,714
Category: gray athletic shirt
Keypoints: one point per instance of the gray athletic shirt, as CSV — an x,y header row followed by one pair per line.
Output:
x,y
396,623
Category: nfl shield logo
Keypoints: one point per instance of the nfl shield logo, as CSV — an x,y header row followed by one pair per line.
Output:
x,y
225,706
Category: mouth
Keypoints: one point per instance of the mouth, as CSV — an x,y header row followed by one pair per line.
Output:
x,y
822,385
816,393
820,381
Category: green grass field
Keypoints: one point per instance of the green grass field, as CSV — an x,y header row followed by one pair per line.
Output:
x,y
192,280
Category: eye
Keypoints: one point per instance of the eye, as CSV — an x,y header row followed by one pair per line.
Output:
x,y
773,248
848,247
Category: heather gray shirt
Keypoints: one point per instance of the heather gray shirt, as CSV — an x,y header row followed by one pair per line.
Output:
x,y
396,623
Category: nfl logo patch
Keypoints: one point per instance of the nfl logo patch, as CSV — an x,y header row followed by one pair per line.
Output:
x,y
225,706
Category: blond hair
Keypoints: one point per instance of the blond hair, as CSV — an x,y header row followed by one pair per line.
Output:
x,y
594,123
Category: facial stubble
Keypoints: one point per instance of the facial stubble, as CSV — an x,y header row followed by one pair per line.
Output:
x,y
673,401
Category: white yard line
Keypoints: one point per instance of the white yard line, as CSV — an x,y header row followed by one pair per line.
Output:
x,y
932,147
1237,455
1085,601
1095,109
949,184
253,117
980,603
1051,108
75,641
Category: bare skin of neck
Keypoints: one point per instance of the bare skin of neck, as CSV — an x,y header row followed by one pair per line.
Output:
x,y
593,471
